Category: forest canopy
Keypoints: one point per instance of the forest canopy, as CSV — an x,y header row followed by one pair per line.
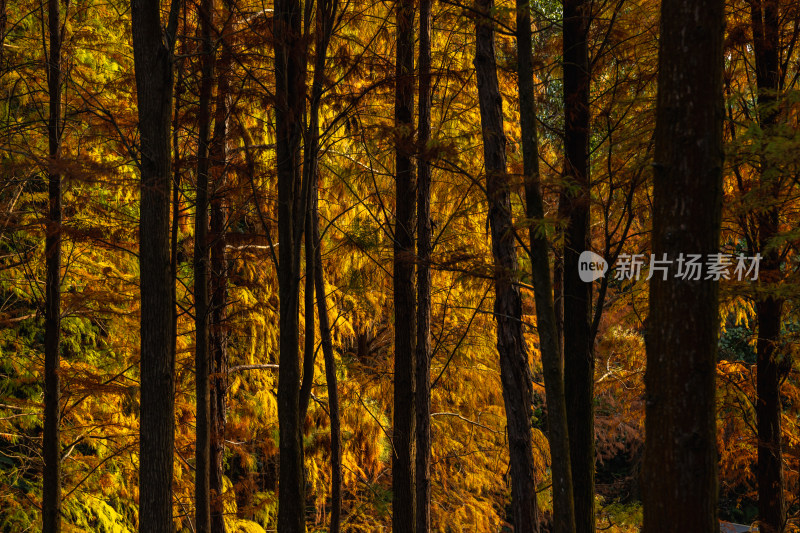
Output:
x,y
407,265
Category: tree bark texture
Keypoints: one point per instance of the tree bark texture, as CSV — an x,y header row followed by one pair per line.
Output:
x,y
51,438
578,352
680,459
542,285
423,348
153,53
765,24
289,107
218,336
404,439
202,487
514,371
330,377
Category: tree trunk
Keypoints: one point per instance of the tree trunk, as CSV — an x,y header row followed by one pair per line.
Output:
x,y
201,260
404,439
578,352
326,14
177,216
51,439
546,322
309,353
330,376
289,104
152,53
764,18
423,348
514,371
771,512
680,459
218,337
325,19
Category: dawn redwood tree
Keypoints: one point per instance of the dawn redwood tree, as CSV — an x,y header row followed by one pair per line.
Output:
x,y
577,294
309,337
404,439
290,64
153,46
330,376
218,336
201,276
543,297
423,356
680,458
765,25
514,370
177,221
327,11
51,439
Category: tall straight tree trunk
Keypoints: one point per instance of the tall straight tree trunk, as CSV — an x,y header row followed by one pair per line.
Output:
x,y
330,376
51,439
514,370
201,264
309,351
546,323
309,341
764,17
680,459
218,338
177,215
404,439
289,104
578,352
771,509
152,54
325,19
423,355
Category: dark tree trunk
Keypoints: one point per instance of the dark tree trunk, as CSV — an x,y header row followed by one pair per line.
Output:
x,y
309,353
177,215
309,173
578,352
218,337
404,439
765,23
51,439
325,19
423,355
289,104
771,511
546,322
152,53
201,264
680,460
218,341
330,377
514,371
